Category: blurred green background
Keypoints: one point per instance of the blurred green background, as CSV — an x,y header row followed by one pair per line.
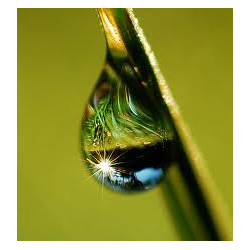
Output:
x,y
60,55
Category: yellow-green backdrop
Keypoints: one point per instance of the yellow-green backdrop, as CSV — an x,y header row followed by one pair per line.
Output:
x,y
60,54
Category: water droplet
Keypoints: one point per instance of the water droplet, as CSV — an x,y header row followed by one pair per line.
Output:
x,y
127,140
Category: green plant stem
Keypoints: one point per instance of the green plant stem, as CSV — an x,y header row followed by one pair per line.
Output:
x,y
197,208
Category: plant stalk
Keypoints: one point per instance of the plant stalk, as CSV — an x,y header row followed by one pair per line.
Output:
x,y
197,209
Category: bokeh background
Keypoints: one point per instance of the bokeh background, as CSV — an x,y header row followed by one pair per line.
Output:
x,y
60,55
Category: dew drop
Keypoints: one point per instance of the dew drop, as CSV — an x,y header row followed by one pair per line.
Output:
x,y
127,140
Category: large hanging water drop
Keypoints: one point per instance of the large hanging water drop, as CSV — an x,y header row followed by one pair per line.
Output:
x,y
127,141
